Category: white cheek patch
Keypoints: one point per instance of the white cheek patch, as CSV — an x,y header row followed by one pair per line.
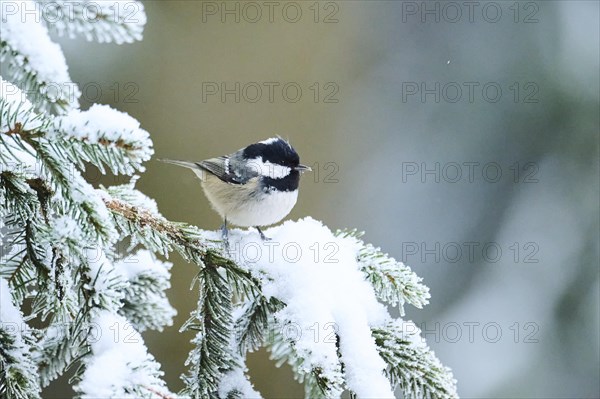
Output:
x,y
268,169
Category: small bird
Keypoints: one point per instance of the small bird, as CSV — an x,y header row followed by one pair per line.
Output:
x,y
253,187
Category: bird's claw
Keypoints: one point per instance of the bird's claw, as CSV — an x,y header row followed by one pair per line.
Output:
x,y
262,235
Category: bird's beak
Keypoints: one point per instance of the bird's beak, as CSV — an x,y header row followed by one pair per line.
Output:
x,y
303,168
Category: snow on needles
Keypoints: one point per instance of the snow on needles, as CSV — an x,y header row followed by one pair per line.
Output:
x,y
9,313
235,380
105,125
14,101
318,276
120,365
121,21
140,262
121,362
22,30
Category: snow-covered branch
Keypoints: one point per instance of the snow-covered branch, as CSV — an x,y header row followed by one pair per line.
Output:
x,y
120,21
411,364
101,135
17,368
394,282
32,61
120,365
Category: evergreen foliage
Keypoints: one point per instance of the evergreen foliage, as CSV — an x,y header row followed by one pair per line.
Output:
x,y
65,264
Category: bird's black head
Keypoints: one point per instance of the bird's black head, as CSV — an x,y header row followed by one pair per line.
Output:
x,y
278,164
275,150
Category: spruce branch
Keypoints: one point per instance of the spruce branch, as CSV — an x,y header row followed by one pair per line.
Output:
x,y
118,157
40,71
64,344
219,278
56,158
257,326
393,281
253,325
18,371
145,304
212,322
411,364
158,234
67,181
52,220
47,95
110,22
103,136
317,383
16,263
77,137
17,195
50,217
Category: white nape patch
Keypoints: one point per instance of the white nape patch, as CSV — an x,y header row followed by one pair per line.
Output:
x,y
227,165
268,169
269,141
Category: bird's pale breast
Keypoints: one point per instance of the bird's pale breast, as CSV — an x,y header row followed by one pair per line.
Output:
x,y
247,204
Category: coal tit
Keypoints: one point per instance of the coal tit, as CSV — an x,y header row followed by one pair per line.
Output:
x,y
253,187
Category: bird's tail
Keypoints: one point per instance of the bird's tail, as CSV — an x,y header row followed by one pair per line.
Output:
x,y
185,164
190,165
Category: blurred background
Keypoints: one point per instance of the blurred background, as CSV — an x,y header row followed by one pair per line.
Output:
x,y
462,137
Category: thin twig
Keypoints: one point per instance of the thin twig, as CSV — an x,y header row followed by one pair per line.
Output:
x,y
157,393
144,218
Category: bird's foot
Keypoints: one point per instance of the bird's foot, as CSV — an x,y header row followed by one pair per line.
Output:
x,y
262,235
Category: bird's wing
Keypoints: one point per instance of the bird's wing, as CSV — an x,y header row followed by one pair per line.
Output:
x,y
221,168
